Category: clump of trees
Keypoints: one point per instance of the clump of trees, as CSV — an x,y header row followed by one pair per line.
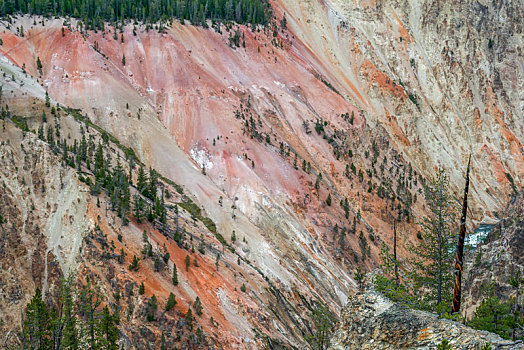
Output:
x,y
322,326
76,319
94,13
428,285
496,315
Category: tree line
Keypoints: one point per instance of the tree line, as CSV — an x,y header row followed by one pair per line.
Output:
x,y
95,12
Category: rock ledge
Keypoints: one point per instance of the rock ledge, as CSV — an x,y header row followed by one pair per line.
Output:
x,y
371,321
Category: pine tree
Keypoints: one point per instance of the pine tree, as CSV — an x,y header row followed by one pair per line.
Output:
x,y
90,300
66,333
96,12
188,261
37,331
151,308
189,319
41,132
73,321
171,302
134,265
360,277
163,342
108,330
141,181
201,245
389,282
433,274
198,306
141,289
139,208
494,315
152,185
323,324
121,256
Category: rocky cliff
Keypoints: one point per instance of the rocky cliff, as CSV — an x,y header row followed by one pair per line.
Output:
x,y
371,321
499,259
357,102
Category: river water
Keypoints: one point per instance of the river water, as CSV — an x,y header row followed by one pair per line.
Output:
x,y
477,237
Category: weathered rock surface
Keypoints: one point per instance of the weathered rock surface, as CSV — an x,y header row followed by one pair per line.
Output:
x,y
428,83
371,321
498,260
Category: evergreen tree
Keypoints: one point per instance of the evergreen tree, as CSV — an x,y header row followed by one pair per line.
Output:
x,y
189,319
494,315
95,12
323,324
152,185
90,300
163,342
188,261
198,306
201,245
39,64
74,321
134,265
139,208
433,273
66,333
37,332
141,181
151,308
108,330
360,277
171,302
388,283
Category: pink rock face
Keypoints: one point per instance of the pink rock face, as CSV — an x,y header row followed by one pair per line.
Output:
x,y
236,125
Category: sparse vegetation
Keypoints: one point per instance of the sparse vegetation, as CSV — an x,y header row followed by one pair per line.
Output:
x,y
322,328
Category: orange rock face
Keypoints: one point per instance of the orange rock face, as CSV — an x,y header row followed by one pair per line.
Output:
x,y
356,103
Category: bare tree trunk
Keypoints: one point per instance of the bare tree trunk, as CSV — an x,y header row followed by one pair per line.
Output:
x,y
440,234
460,247
3,236
395,251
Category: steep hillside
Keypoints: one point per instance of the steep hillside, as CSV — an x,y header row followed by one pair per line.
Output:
x,y
53,223
305,139
499,260
443,78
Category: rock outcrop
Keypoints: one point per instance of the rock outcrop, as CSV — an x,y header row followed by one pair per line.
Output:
x,y
371,321
499,259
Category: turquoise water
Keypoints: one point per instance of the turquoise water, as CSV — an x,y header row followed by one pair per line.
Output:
x,y
477,237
